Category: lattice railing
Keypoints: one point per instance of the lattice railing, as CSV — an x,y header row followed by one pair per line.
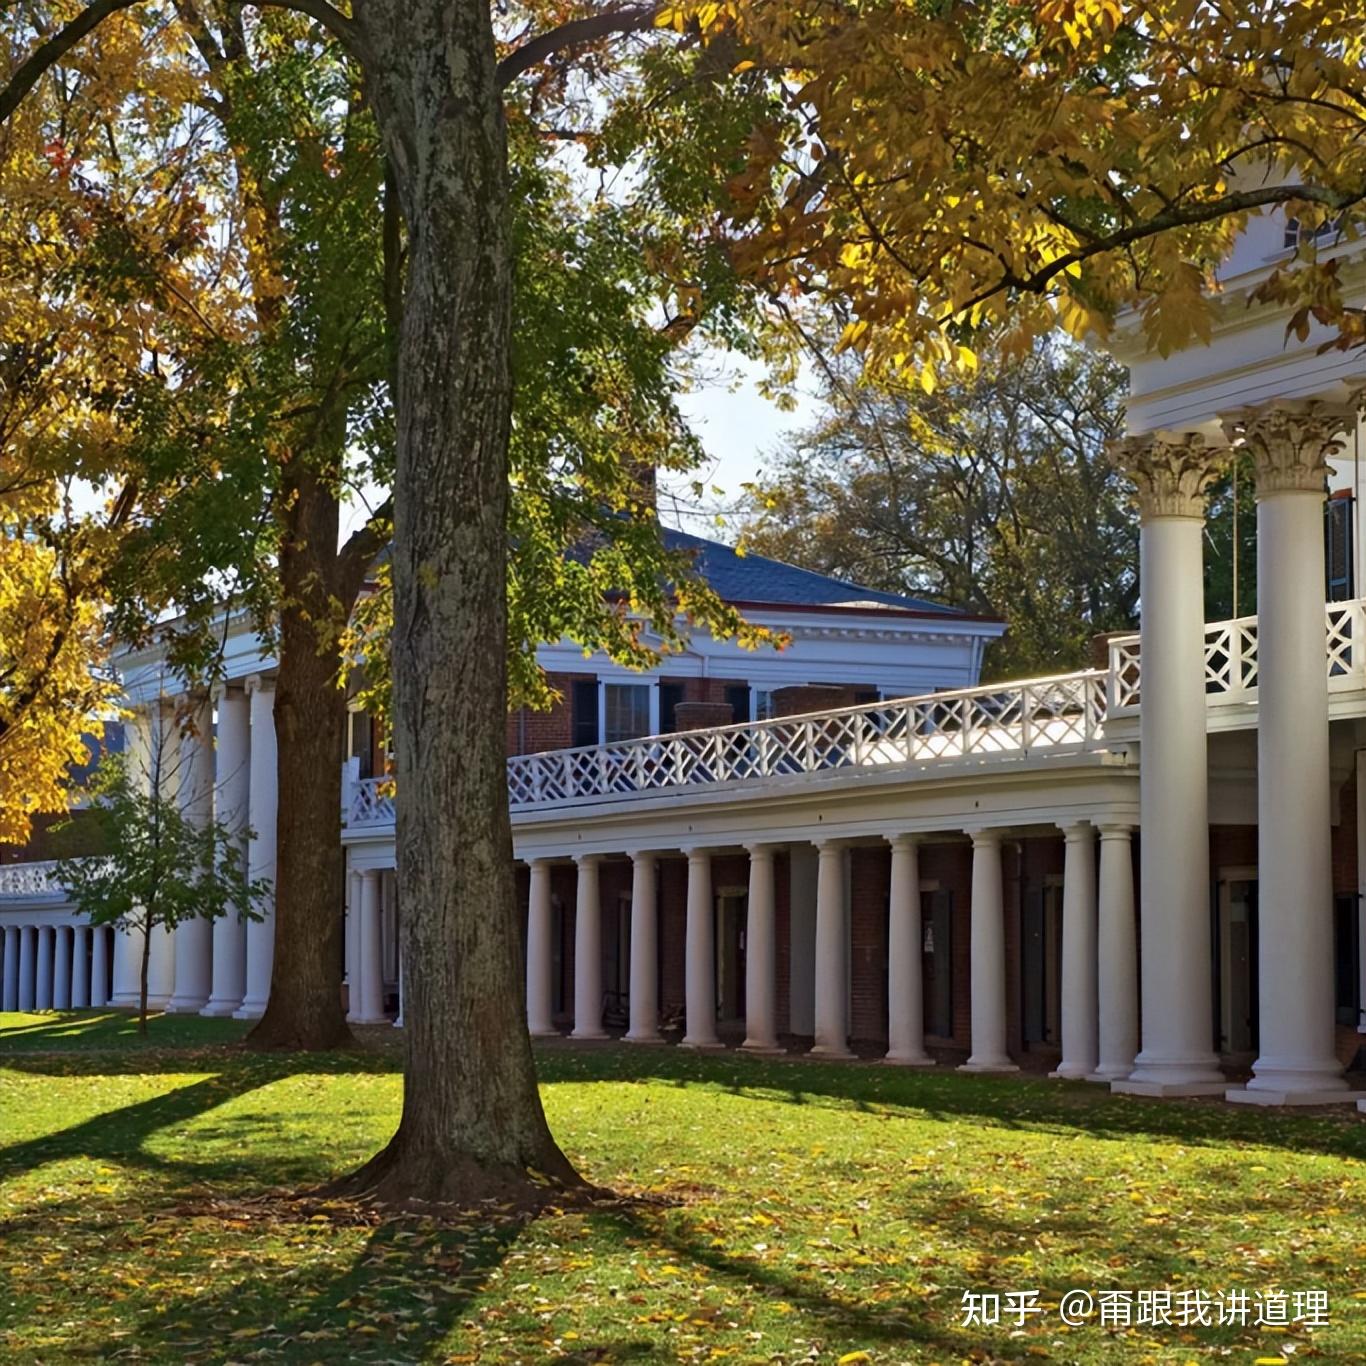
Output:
x,y
1231,659
371,802
1049,714
29,879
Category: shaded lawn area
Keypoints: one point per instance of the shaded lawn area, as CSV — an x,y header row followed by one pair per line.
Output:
x,y
817,1211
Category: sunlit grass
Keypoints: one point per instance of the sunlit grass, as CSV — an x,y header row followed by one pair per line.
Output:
x,y
809,1211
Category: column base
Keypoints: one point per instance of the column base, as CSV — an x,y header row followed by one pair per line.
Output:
x,y
249,1010
763,1050
1167,1090
122,1000
588,1034
355,1019
550,1032
221,1010
1070,1074
908,1060
643,1038
703,1045
190,1005
988,1065
1266,1095
1109,1074
829,1050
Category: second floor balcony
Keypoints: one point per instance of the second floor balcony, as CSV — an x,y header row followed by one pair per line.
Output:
x,y
998,724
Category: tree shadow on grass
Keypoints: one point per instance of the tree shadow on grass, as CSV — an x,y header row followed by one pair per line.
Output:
x,y
1031,1104
119,1136
403,1293
889,1325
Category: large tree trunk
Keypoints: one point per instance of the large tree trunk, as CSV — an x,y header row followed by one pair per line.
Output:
x,y
472,1124
305,1010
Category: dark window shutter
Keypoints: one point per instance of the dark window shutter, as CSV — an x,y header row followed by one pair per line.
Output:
x,y
670,695
1337,529
738,697
583,700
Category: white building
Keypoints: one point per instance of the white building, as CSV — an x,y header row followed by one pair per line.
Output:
x,y
1146,875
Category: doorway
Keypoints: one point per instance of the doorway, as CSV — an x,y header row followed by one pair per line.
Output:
x,y
1235,961
936,960
1041,962
731,910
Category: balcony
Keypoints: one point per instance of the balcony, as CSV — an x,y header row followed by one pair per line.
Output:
x,y
1065,714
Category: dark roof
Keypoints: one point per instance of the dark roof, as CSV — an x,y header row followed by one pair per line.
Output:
x,y
757,580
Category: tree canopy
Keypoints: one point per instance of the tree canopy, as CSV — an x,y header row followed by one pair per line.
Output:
x,y
993,493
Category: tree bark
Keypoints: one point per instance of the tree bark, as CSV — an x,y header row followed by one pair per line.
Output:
x,y
310,728
472,1125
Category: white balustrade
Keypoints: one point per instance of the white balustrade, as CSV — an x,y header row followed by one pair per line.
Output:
x,y
1053,715
1231,660
29,879
1008,721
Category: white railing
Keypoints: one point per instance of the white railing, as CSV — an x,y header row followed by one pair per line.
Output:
x,y
1052,715
371,802
1066,713
1231,659
29,879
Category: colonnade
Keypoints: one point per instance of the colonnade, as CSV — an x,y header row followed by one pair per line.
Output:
x,y
1099,944
222,967
45,966
366,916
1291,443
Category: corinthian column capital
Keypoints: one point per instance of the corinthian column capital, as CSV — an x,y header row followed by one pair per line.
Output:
x,y
1170,474
1291,442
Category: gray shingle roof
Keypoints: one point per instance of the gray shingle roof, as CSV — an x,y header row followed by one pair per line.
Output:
x,y
757,579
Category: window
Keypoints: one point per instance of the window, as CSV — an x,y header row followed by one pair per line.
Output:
x,y
738,697
1294,234
627,711
1337,533
763,704
670,695
583,704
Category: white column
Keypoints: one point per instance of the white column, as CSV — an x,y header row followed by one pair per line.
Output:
x,y
194,938
700,964
42,991
1297,1059
370,950
128,937
587,951
905,981
231,800
540,996
80,966
99,966
1117,957
1080,987
352,946
61,968
644,950
28,951
761,954
832,954
1177,1056
262,806
10,1000
987,946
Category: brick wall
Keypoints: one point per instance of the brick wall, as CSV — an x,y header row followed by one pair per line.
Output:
x,y
870,870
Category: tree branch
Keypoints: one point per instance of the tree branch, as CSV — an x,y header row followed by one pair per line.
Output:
x,y
575,33
47,55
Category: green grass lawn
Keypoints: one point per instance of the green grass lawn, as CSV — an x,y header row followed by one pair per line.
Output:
x,y
812,1212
